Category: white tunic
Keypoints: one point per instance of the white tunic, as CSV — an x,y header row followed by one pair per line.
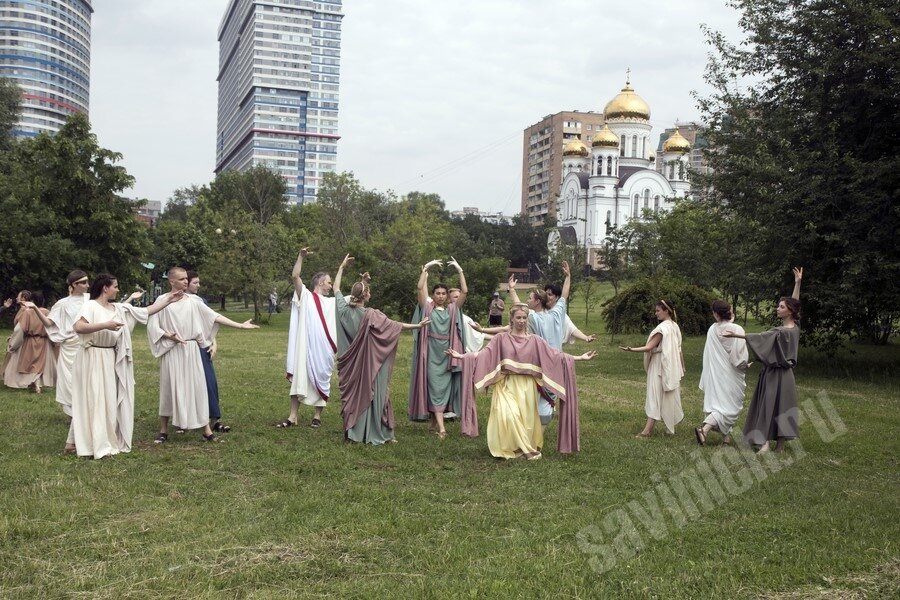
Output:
x,y
102,384
664,372
312,340
182,383
63,314
722,380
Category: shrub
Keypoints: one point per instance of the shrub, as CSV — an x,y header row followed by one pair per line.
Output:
x,y
631,311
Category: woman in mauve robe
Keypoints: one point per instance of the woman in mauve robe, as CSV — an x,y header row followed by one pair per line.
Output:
x,y
773,412
33,363
517,363
722,379
665,368
367,344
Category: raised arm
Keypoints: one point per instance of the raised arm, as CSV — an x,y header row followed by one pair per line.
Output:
x,y
159,305
422,285
798,277
298,266
463,288
340,274
511,285
567,284
44,319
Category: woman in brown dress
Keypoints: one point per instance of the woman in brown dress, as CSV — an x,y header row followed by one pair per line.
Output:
x,y
773,413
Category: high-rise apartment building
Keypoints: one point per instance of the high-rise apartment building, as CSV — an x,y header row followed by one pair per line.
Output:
x,y
279,68
45,47
542,158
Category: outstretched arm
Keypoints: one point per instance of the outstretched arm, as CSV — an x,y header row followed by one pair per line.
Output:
x,y
248,324
298,266
43,318
340,274
489,330
586,356
798,277
567,284
653,343
169,299
463,288
419,325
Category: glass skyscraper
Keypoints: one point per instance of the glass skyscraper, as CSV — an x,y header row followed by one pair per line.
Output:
x,y
279,72
45,47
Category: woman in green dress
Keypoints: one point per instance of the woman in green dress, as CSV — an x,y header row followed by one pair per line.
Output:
x,y
367,344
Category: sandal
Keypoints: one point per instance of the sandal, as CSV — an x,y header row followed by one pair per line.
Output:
x,y
179,430
221,427
69,449
642,436
441,434
161,438
726,441
316,423
701,437
209,438
285,423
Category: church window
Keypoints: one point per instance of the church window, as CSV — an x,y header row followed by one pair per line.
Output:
x,y
656,204
609,165
672,170
635,206
634,145
622,146
646,199
599,165
608,218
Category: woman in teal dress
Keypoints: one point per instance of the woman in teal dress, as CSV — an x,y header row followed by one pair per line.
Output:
x,y
367,344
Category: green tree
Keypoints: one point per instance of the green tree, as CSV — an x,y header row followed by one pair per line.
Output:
x,y
804,120
10,104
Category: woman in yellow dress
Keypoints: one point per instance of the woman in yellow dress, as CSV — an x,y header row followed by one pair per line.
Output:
x,y
517,364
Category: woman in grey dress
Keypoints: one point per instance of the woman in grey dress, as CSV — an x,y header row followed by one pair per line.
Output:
x,y
773,413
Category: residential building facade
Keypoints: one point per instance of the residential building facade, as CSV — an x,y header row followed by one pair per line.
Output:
x,y
45,47
279,76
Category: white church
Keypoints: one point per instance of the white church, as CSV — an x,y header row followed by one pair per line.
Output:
x,y
615,180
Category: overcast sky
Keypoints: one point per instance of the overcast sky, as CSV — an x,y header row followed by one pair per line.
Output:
x,y
434,95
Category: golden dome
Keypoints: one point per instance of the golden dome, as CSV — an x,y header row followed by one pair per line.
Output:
x,y
676,143
575,147
605,138
627,104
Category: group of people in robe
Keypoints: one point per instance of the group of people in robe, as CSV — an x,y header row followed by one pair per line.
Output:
x,y
773,413
86,345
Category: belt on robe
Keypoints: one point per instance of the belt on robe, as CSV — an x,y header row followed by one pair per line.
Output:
x,y
438,336
103,347
34,335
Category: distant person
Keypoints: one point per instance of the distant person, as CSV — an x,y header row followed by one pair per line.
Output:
x,y
31,363
273,302
495,310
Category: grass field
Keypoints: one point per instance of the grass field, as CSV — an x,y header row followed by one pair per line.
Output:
x,y
273,513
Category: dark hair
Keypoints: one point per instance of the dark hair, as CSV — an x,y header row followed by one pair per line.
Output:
x,y
317,278
550,287
438,286
38,298
26,295
101,281
358,291
668,308
171,272
75,276
723,309
793,305
192,275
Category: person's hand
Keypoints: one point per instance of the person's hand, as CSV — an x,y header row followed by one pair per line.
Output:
x,y
174,297
727,333
565,268
512,283
625,348
136,295
452,353
113,325
304,252
475,325
347,260
591,338
27,304
365,277
588,355
454,264
7,303
423,323
798,274
213,348
432,263
248,324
